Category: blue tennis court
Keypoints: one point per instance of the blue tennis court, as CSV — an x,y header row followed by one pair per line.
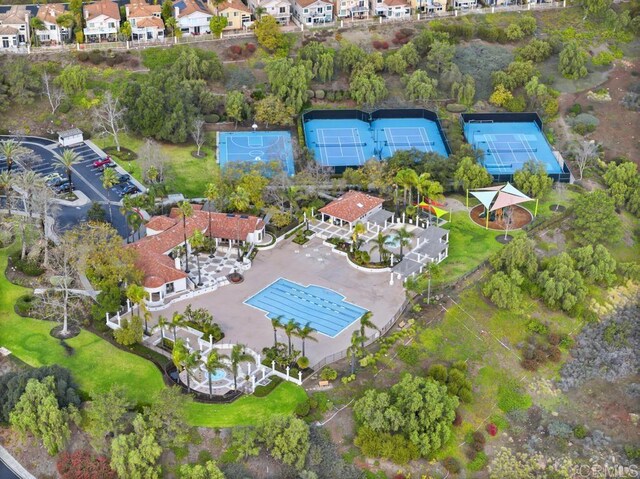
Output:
x,y
508,145
394,134
340,143
250,147
325,310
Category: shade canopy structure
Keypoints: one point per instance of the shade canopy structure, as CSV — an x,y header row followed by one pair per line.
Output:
x,y
497,197
439,212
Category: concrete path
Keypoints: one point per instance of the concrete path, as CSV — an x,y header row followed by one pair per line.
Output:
x,y
13,465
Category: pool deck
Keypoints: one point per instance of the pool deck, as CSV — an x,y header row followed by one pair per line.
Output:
x,y
245,324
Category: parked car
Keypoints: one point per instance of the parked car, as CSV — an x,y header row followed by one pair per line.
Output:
x,y
125,189
102,161
52,177
56,181
122,178
64,187
107,165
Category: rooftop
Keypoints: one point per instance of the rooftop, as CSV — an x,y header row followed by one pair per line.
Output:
x,y
352,206
187,7
103,7
49,12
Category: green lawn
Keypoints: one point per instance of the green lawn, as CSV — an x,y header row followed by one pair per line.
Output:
x,y
186,175
97,365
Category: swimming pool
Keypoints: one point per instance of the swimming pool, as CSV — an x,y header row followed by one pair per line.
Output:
x,y
324,309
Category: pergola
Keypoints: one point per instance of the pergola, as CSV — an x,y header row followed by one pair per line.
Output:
x,y
495,198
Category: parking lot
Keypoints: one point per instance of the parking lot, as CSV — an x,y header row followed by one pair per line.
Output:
x,y
85,177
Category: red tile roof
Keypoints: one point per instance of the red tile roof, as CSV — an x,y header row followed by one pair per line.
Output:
x,y
49,12
143,9
158,268
352,206
148,22
103,7
234,5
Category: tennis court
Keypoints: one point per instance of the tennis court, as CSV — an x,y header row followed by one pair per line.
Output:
x,y
250,147
508,145
352,137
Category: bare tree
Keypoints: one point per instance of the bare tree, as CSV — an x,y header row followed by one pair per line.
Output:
x,y
197,133
313,178
54,93
561,189
44,208
64,262
109,117
584,152
154,162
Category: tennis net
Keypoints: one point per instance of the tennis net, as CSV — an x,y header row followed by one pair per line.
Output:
x,y
336,145
417,144
512,150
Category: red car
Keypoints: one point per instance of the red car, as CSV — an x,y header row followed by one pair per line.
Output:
x,y
102,161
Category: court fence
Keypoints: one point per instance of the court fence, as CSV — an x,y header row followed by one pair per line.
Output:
x,y
564,176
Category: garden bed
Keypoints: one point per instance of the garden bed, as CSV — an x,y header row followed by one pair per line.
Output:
x,y
125,154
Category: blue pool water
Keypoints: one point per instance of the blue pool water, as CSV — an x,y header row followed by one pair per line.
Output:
x,y
507,146
217,375
325,310
352,142
250,147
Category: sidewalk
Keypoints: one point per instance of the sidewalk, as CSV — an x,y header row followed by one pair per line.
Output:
x,y
13,465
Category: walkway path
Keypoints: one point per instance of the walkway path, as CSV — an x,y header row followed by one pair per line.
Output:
x,y
13,466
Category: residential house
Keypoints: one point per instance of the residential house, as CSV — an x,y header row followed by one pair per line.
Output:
x,y
427,6
278,9
14,27
352,9
52,33
238,15
102,21
146,21
391,8
193,17
313,12
163,273
464,4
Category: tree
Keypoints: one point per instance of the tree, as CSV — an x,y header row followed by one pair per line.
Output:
x,y
289,80
245,441
177,321
167,417
109,117
532,179
428,188
420,87
197,242
290,329
518,255
595,8
272,110
11,150
136,455
167,10
440,56
83,464
403,238
109,180
350,57
217,24
517,74
464,91
22,81
208,470
185,211
235,105
406,178
596,264
584,153
572,61
213,363
322,60
419,409
267,30
561,283
238,356
38,413
355,349
500,96
130,331
366,323
595,220
67,160
624,184
105,416
125,30
54,94
185,359
504,290
471,175
287,439
381,244
536,51
6,185
72,79
366,87
198,134
305,333
68,21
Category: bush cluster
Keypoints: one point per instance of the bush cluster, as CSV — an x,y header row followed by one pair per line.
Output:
x,y
402,37
26,303
27,266
380,45
455,378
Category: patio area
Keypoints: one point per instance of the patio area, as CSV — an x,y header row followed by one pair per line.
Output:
x,y
215,270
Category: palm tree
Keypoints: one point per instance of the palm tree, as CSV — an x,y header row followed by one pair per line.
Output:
x,y
259,11
358,229
36,24
126,208
134,221
239,199
292,194
304,333
197,242
238,355
186,211
67,160
6,185
179,353
214,362
433,272
290,329
365,322
163,322
185,360
211,194
406,178
428,188
403,237
355,349
177,320
109,180
10,149
28,182
66,20
380,244
137,294
191,362
276,323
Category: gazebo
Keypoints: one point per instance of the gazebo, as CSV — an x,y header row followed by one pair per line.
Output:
x,y
496,198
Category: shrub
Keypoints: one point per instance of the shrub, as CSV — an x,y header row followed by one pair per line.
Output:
x,y
605,57
27,266
377,44
320,94
250,47
95,57
82,56
554,354
479,462
580,432
529,364
554,339
438,372
212,118
65,107
536,326
510,398
452,465
303,408
25,304
492,429
82,464
458,420
516,104
262,391
456,108
478,437
235,49
303,362
409,355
